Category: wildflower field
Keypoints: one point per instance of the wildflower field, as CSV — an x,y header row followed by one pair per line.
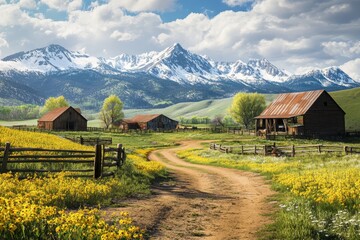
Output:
x,y
60,207
319,194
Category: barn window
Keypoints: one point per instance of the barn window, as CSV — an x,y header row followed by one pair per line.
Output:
x,y
325,104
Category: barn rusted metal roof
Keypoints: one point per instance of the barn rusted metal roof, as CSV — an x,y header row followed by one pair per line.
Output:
x,y
143,118
288,105
54,114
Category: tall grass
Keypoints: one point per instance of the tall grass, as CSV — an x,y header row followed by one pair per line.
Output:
x,y
318,194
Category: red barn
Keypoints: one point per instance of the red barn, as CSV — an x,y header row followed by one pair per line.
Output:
x,y
64,118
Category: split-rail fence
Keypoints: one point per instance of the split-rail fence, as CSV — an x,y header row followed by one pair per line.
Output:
x,y
291,151
80,163
90,141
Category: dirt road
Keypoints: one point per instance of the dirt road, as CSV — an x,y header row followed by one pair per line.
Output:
x,y
202,202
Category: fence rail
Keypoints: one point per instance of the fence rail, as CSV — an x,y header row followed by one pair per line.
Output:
x,y
90,141
291,151
38,160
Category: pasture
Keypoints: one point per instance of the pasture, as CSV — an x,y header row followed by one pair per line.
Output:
x,y
317,193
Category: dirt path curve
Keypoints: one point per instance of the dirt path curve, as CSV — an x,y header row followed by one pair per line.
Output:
x,y
202,202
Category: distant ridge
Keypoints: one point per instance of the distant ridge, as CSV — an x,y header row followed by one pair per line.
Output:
x,y
153,79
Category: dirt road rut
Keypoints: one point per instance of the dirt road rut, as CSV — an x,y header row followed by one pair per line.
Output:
x,y
202,202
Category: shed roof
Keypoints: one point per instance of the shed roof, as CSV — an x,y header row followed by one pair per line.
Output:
x,y
54,114
288,105
143,118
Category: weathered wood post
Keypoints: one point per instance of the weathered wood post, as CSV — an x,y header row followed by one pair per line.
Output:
x,y
242,149
345,150
81,140
97,161
123,155
255,150
5,158
102,158
265,150
119,155
293,151
319,148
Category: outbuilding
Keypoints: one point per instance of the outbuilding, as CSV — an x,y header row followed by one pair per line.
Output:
x,y
64,118
302,113
149,122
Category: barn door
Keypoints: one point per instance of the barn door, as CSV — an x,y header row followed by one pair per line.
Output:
x,y
71,125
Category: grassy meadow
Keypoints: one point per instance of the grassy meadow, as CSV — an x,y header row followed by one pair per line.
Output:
x,y
318,195
349,101
59,207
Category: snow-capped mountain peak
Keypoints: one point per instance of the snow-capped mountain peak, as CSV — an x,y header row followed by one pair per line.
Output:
x,y
53,58
176,64
268,70
337,75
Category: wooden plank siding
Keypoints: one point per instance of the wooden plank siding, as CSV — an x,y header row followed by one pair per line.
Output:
x,y
305,113
65,119
153,122
325,117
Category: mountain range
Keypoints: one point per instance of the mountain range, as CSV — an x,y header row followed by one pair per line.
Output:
x,y
153,79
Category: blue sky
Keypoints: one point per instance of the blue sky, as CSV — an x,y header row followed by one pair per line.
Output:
x,y
210,8
296,35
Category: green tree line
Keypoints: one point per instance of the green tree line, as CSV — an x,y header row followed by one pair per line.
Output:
x,y
22,112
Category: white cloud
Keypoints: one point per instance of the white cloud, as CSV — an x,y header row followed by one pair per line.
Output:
x,y
63,5
3,42
346,49
29,4
294,35
147,5
122,36
234,3
352,68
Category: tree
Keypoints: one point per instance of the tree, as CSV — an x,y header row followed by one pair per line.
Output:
x,y
246,106
218,121
111,111
52,103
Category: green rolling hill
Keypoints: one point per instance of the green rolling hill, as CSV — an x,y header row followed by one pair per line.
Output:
x,y
349,101
205,108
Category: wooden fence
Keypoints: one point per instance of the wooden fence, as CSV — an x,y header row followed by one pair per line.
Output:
x,y
91,141
240,131
291,151
38,160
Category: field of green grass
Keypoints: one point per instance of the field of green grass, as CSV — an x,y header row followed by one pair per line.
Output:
x,y
205,108
318,194
349,101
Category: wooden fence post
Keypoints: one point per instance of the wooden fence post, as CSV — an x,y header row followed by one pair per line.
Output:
x,y
345,150
5,158
255,150
264,150
97,161
123,155
242,149
81,140
119,155
319,148
293,151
